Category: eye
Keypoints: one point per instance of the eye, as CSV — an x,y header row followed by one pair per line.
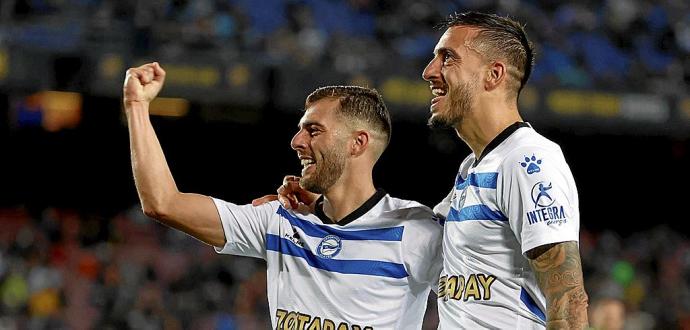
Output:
x,y
313,131
446,56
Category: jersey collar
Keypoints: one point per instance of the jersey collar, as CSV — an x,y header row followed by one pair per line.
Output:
x,y
500,138
364,208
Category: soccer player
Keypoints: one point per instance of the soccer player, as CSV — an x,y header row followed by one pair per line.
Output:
x,y
362,260
510,245
511,257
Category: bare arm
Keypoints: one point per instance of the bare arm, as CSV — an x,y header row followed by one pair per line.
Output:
x,y
194,214
559,275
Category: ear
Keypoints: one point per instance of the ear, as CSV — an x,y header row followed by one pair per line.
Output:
x,y
496,74
361,142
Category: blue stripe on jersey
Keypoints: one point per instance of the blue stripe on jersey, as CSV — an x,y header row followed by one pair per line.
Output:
x,y
531,305
475,212
363,267
481,180
314,230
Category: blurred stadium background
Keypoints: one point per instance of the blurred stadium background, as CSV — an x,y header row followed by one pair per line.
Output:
x,y
611,85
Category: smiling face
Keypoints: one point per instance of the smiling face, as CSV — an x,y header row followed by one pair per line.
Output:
x,y
454,75
321,144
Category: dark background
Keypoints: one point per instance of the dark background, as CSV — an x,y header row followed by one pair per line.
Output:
x,y
629,182
611,86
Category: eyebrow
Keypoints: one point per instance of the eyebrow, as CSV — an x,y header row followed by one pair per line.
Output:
x,y
308,123
446,49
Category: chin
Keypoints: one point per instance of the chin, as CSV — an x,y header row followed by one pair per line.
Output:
x,y
437,121
311,186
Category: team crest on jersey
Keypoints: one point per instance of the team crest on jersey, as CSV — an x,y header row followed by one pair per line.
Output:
x,y
531,164
329,247
460,200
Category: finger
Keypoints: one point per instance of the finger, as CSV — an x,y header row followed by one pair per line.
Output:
x,y
307,197
288,188
159,73
132,72
264,200
293,188
129,75
290,178
294,203
134,75
285,202
147,76
139,74
304,208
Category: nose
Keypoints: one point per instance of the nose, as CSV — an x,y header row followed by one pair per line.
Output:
x,y
432,70
298,141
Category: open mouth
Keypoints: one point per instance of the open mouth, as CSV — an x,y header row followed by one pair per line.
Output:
x,y
439,91
307,163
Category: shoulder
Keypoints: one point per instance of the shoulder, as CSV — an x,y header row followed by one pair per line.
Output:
x,y
410,214
529,148
229,207
404,209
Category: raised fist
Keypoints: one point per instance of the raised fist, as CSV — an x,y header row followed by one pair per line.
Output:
x,y
143,83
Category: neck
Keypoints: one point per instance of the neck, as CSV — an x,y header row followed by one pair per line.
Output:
x,y
348,194
484,123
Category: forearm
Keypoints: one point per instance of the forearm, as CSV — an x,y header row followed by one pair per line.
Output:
x,y
152,177
194,214
559,275
160,199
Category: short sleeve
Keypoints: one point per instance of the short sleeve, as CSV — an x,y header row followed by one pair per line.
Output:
x,y
245,227
441,209
422,246
537,192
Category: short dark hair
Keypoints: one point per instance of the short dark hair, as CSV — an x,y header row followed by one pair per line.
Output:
x,y
504,37
358,103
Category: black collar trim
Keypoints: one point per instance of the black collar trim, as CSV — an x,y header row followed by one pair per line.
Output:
x,y
364,208
500,138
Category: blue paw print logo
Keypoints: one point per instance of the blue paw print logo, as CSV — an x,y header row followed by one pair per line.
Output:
x,y
532,164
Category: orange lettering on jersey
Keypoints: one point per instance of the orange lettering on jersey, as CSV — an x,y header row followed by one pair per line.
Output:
x,y
486,282
477,286
290,322
461,288
328,324
472,288
451,286
302,320
442,294
315,323
298,321
280,315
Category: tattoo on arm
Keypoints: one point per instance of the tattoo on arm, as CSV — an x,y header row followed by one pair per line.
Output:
x,y
559,275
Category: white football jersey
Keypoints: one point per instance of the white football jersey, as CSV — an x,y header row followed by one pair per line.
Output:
x,y
371,270
519,195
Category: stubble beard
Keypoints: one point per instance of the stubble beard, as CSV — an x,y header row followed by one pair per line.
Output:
x,y
460,101
328,171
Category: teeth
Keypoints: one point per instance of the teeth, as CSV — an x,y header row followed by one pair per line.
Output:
x,y
306,162
438,91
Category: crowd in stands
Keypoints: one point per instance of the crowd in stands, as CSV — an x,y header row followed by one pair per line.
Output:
x,y
68,269
638,45
65,269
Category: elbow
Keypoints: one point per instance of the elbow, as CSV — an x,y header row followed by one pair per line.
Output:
x,y
155,210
